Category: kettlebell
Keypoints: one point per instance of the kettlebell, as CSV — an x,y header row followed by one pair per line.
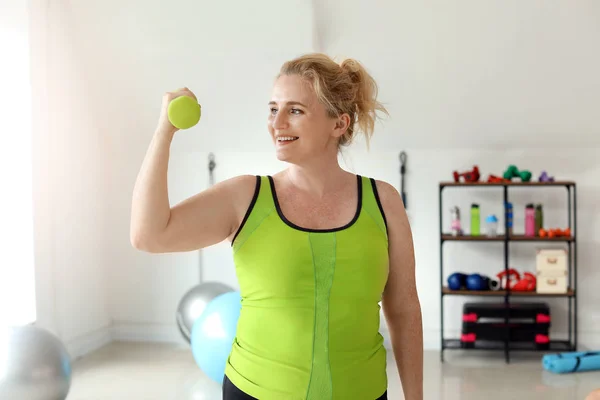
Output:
x,y
184,112
477,282
457,281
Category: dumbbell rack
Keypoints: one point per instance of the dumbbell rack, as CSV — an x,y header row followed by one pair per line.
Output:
x,y
571,295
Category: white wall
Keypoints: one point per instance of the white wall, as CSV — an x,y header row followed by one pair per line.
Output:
x,y
70,192
475,74
470,84
17,283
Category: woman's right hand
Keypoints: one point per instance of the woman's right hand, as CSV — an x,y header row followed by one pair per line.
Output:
x,y
164,125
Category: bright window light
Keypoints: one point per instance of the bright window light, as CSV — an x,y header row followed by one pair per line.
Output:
x,y
17,279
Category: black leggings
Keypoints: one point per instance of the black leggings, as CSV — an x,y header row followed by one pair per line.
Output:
x,y
231,392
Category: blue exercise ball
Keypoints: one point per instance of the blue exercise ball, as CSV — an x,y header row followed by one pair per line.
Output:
x,y
194,302
213,334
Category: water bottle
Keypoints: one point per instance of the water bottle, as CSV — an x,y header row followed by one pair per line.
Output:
x,y
529,220
492,225
509,218
455,224
475,220
539,219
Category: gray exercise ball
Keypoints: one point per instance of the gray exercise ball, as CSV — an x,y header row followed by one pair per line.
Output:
x,y
34,365
194,302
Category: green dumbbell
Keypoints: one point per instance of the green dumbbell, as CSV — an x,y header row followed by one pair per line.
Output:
x,y
184,112
525,175
513,172
510,172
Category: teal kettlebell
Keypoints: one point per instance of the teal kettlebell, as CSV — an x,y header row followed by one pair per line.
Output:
x,y
184,112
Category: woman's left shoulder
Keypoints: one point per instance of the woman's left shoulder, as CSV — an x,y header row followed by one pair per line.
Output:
x,y
386,191
390,199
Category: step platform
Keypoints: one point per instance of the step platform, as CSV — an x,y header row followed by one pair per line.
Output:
x,y
527,322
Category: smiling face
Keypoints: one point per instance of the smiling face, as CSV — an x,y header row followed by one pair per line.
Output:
x,y
298,122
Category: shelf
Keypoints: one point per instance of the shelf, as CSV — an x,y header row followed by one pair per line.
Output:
x,y
498,293
501,238
523,238
555,345
477,238
502,184
505,238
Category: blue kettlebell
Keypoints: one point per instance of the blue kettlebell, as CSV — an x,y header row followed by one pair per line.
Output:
x,y
457,281
477,282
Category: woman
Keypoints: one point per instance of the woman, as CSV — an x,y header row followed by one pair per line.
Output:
x,y
316,248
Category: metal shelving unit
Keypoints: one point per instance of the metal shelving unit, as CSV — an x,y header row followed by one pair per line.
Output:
x,y
571,295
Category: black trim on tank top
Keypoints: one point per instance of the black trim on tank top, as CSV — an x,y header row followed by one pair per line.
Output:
x,y
376,193
249,210
292,225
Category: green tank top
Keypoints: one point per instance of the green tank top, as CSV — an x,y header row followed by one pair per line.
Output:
x,y
310,316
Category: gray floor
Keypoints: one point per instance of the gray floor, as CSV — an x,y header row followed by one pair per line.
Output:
x,y
168,372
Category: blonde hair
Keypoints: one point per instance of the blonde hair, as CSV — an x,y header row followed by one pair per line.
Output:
x,y
343,88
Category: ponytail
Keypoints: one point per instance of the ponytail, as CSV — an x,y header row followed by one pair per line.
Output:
x,y
344,88
365,100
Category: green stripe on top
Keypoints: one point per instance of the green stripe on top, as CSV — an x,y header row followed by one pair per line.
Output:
x,y
323,248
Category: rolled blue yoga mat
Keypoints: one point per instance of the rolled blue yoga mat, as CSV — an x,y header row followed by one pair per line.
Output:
x,y
572,362
567,354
